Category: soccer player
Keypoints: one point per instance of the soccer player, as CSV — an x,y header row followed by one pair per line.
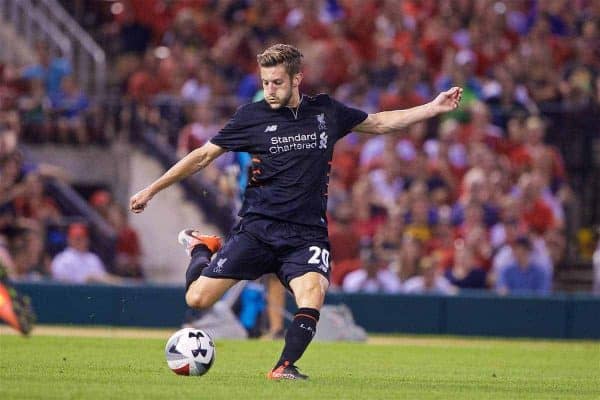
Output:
x,y
283,227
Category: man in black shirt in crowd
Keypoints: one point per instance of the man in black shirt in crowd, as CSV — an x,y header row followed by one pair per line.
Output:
x,y
283,226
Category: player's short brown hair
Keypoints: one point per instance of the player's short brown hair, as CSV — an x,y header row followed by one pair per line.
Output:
x,y
285,54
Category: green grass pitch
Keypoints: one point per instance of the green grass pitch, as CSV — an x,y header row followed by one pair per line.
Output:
x,y
52,367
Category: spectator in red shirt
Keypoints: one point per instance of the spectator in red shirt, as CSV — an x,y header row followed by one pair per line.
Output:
x,y
480,129
129,252
101,200
145,82
540,154
537,214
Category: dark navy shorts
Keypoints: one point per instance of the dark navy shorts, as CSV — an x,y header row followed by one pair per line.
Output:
x,y
259,245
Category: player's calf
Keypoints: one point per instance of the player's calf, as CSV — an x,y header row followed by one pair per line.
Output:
x,y
298,336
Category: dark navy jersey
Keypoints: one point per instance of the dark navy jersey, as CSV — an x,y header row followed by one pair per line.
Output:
x,y
291,152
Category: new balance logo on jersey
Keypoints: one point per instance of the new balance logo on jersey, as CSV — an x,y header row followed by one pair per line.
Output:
x,y
323,142
219,268
271,128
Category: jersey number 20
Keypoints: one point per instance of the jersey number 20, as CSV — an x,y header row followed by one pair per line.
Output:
x,y
318,252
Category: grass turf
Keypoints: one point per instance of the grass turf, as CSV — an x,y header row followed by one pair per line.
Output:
x,y
51,367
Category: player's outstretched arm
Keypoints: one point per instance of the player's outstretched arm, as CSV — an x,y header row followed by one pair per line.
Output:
x,y
193,162
392,121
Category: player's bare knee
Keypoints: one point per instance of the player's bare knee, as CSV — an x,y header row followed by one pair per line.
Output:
x,y
309,290
191,298
196,299
314,290
311,296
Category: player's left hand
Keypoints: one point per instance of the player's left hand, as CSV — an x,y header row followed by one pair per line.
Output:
x,y
448,100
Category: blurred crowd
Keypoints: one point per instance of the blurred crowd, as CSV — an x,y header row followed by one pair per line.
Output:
x,y
40,238
52,107
477,199
377,54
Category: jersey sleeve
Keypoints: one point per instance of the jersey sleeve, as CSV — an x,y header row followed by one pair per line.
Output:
x,y
347,117
234,135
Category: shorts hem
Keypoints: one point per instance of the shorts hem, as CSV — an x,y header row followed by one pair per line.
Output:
x,y
227,276
300,273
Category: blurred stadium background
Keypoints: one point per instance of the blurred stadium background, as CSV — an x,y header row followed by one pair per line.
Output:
x,y
98,98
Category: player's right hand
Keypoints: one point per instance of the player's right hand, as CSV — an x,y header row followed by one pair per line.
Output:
x,y
139,201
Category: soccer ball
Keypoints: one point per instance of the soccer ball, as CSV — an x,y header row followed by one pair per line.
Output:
x,y
190,352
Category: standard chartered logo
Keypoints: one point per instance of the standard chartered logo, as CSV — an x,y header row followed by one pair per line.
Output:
x,y
282,144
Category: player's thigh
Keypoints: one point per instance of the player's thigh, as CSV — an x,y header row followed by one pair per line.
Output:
x,y
205,291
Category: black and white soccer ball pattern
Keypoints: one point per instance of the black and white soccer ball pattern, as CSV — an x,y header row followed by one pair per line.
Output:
x,y
190,352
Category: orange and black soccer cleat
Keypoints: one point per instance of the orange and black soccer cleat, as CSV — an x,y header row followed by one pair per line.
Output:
x,y
16,309
286,371
191,238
